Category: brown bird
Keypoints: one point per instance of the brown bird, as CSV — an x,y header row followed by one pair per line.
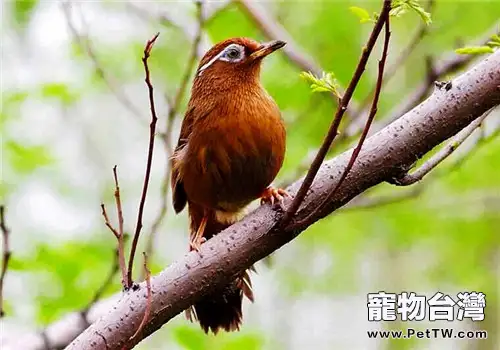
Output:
x,y
230,148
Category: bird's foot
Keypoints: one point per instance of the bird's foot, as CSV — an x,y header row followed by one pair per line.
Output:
x,y
196,244
274,196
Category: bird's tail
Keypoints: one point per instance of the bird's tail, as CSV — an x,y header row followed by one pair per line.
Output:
x,y
222,308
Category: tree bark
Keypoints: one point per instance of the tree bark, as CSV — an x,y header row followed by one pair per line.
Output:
x,y
384,155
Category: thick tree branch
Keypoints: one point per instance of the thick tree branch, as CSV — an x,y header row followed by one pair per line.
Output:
x,y
397,146
409,179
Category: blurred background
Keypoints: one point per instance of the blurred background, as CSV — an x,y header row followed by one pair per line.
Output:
x,y
74,104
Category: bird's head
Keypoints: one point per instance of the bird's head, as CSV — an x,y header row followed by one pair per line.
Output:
x,y
233,61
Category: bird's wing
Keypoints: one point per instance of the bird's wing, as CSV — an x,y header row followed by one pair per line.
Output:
x,y
179,197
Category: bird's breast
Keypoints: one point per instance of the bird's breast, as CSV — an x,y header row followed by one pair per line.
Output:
x,y
234,153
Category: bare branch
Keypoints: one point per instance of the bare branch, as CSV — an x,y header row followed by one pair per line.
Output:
x,y
342,107
480,142
152,130
85,44
210,11
119,234
6,253
107,222
369,202
399,62
435,71
435,160
373,112
167,136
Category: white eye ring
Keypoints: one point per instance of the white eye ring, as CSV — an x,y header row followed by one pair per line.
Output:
x,y
226,55
232,53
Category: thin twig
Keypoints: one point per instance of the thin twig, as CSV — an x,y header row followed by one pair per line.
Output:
x,y
480,143
187,72
371,116
435,71
152,130
399,62
107,222
85,44
147,310
119,234
424,169
167,136
342,107
5,256
369,202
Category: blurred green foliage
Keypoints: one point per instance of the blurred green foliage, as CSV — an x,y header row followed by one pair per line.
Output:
x,y
67,275
22,11
446,236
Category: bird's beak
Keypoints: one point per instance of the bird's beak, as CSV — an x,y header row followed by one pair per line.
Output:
x,y
267,48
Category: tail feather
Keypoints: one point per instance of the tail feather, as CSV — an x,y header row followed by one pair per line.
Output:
x,y
221,309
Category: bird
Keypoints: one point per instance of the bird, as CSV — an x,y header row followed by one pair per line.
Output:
x,y
230,149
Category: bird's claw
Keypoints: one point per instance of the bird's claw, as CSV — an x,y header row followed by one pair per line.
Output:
x,y
274,196
197,245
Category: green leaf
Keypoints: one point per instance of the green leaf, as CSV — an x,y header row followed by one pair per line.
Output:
x,y
11,103
26,159
59,91
70,283
474,50
426,16
495,41
400,7
327,82
362,14
190,338
22,10
317,88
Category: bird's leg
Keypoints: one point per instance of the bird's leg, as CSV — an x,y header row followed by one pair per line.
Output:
x,y
196,241
273,195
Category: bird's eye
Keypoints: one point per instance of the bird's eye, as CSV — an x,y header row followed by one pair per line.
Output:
x,y
233,53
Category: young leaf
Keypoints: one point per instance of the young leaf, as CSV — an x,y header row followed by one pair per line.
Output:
x,y
327,82
362,14
495,41
474,50
400,7
426,16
